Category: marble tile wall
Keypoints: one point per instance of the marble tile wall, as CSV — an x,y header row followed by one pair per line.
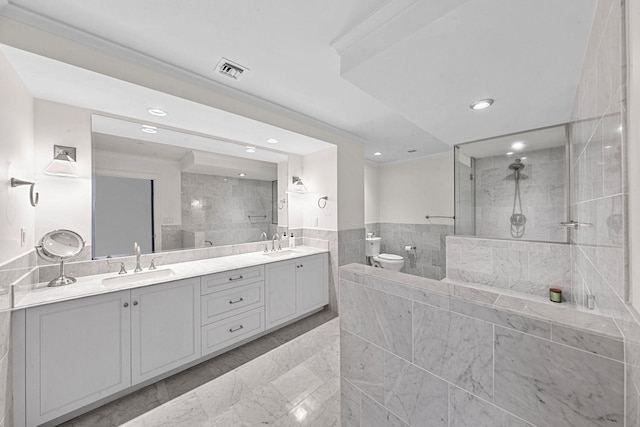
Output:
x,y
542,189
529,267
220,207
599,192
428,259
88,267
418,352
18,271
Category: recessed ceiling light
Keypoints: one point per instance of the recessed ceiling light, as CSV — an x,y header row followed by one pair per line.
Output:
x,y
607,146
481,104
523,158
148,129
272,141
250,149
377,153
620,128
242,174
510,153
156,112
518,145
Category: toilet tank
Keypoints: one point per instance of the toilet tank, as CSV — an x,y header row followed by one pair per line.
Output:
x,y
372,246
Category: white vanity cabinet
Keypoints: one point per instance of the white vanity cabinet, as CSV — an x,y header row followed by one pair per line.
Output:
x,y
80,351
165,327
295,287
77,352
72,355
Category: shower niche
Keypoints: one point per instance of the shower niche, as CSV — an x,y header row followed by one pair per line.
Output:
x,y
514,186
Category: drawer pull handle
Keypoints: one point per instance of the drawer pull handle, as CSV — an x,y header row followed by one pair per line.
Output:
x,y
235,278
236,328
236,301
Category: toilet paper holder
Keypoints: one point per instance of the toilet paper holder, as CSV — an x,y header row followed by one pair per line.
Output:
x,y
410,248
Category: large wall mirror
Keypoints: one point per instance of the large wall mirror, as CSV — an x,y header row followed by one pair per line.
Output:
x,y
169,190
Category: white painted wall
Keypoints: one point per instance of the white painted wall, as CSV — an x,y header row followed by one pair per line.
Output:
x,y
351,185
296,201
16,160
283,207
371,192
321,179
412,189
64,202
633,145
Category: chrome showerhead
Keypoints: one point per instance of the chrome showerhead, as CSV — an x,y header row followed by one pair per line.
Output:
x,y
517,165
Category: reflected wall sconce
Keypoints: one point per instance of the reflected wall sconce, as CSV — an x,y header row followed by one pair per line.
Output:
x,y
298,185
34,197
63,163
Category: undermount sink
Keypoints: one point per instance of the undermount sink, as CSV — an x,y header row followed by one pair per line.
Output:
x,y
281,254
138,277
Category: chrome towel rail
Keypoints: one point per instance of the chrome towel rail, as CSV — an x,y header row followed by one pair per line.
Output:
x,y
440,216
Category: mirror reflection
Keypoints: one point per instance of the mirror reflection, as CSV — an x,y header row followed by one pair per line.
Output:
x,y
513,186
174,190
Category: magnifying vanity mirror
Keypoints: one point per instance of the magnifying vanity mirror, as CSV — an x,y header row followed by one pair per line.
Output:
x,y
60,246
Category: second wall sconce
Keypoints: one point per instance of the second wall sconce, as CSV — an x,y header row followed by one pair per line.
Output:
x,y
63,163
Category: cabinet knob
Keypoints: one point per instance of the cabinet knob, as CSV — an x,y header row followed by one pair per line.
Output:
x,y
126,304
135,303
301,265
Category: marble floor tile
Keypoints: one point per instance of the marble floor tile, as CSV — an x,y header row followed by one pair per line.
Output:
x,y
297,384
122,410
314,336
263,406
260,393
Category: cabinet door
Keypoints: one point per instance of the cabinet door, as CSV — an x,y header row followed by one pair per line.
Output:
x,y
280,283
313,284
77,352
165,327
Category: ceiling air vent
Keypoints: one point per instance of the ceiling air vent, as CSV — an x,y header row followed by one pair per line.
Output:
x,y
231,69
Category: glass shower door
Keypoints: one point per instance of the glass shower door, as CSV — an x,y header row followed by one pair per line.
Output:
x,y
465,205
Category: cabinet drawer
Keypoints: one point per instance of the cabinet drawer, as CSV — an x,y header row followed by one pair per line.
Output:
x,y
221,334
217,281
220,305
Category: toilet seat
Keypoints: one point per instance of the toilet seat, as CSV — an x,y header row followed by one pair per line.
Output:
x,y
390,257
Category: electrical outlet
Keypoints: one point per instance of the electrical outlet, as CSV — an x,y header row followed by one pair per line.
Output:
x,y
23,236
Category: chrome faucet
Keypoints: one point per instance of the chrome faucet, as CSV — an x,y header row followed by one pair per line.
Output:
x,y
136,250
273,242
263,236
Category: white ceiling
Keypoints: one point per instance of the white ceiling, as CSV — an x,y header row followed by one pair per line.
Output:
x,y
399,74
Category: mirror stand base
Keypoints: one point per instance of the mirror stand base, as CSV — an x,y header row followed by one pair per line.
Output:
x,y
62,281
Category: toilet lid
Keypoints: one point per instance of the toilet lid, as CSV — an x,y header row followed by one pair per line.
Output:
x,y
390,257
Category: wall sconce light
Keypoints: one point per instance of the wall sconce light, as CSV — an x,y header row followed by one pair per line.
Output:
x,y
298,185
63,163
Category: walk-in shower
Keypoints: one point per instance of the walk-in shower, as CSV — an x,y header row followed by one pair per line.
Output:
x,y
513,186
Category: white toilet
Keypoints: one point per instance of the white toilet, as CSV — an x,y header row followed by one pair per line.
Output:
x,y
386,261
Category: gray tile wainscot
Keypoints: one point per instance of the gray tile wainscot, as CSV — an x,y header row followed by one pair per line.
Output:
x,y
473,358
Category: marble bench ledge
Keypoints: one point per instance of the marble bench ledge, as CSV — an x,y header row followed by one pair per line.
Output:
x,y
443,293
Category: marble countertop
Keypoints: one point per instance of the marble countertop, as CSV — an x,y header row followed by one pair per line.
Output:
x,y
514,302
93,285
